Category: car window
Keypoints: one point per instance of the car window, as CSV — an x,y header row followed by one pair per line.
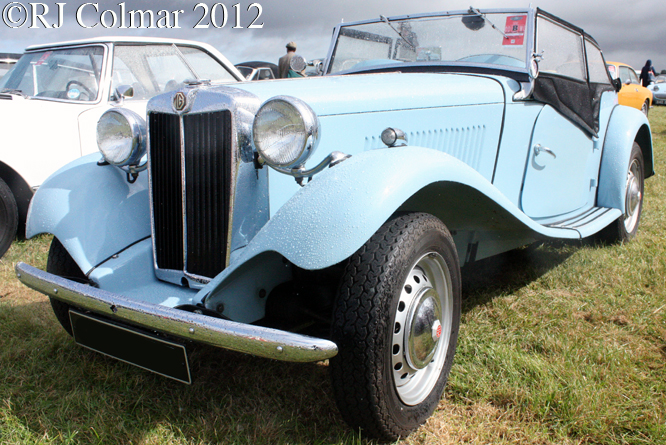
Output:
x,y
265,73
122,74
154,69
634,76
612,70
70,74
147,68
205,66
6,66
245,71
595,64
628,75
561,49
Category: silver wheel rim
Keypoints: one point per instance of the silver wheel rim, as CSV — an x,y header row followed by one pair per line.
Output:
x,y
422,329
644,109
633,197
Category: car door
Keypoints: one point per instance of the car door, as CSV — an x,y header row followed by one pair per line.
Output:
x,y
630,93
558,174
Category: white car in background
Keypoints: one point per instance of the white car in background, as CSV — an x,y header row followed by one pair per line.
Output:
x,y
51,101
658,88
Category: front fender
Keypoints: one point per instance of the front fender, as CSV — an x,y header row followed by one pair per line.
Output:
x,y
626,126
334,215
92,210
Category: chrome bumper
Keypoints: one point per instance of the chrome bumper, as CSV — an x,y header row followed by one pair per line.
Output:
x,y
255,340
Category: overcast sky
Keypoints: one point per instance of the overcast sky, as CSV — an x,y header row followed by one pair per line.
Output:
x,y
629,34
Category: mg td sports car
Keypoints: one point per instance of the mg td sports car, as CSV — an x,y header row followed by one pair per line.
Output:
x,y
328,217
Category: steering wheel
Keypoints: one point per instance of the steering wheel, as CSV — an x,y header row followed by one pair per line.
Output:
x,y
83,87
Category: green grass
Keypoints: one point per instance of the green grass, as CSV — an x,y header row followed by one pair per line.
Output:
x,y
560,344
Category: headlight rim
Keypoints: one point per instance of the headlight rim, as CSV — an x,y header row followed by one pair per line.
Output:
x,y
139,137
310,122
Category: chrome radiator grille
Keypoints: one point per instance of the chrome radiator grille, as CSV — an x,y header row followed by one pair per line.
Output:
x,y
190,190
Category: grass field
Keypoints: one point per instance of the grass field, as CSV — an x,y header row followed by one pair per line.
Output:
x,y
560,344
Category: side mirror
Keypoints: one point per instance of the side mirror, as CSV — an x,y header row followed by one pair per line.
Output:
x,y
617,84
123,92
627,82
318,65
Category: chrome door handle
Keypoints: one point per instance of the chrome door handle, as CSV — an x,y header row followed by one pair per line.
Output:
x,y
538,148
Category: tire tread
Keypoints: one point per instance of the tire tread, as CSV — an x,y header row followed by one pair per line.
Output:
x,y
362,297
60,262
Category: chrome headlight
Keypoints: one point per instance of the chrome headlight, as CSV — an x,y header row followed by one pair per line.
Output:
x,y
121,137
285,131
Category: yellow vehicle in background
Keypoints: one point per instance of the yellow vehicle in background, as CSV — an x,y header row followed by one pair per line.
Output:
x,y
632,94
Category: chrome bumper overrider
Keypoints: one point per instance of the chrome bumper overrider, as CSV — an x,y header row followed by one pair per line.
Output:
x,y
259,341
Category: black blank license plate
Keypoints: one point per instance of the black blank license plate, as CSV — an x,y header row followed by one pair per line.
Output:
x,y
145,351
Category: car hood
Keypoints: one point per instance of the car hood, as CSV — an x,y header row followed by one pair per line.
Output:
x,y
363,93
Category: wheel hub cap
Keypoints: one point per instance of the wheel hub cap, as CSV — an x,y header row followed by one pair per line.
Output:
x,y
425,329
422,329
633,197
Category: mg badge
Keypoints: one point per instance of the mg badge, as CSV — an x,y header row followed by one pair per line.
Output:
x,y
179,101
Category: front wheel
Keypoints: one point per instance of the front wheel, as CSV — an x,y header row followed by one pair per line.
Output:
x,y
646,107
60,262
396,321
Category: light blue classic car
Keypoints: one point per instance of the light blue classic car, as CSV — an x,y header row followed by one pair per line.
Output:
x,y
328,217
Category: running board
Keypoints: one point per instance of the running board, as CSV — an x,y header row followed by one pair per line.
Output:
x,y
588,222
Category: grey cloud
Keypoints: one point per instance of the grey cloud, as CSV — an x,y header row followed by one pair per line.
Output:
x,y
628,35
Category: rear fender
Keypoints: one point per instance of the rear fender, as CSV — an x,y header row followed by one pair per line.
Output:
x,y
626,126
92,210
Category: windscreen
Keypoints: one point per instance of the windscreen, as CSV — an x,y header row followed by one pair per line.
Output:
x,y
155,69
495,39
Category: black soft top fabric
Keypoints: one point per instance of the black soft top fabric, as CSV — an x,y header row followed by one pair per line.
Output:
x,y
578,101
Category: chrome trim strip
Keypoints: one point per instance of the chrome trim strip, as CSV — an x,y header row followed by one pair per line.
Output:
x,y
575,222
183,183
572,220
250,339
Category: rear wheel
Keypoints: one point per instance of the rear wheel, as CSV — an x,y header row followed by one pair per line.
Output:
x,y
396,323
8,217
60,262
626,226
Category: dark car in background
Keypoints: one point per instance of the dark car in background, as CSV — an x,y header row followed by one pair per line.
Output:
x,y
257,70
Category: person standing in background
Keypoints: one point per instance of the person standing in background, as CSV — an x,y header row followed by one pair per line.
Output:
x,y
283,63
645,73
